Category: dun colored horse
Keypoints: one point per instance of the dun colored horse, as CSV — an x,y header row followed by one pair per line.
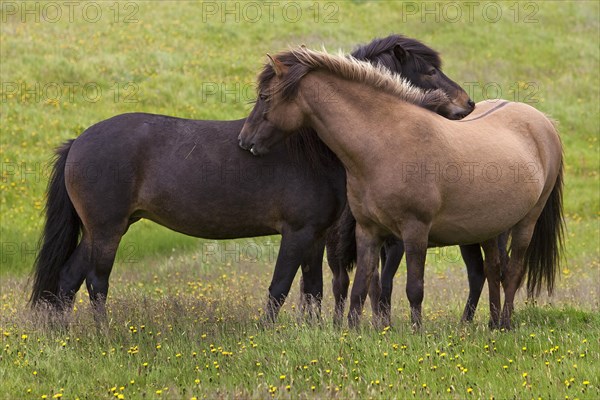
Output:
x,y
420,177
181,174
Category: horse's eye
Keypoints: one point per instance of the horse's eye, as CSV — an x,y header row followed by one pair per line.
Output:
x,y
262,96
431,72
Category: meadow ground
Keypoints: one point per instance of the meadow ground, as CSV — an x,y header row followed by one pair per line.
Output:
x,y
184,312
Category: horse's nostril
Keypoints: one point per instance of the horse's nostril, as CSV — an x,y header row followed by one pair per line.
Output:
x,y
471,103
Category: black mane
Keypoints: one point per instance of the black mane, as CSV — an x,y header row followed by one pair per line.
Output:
x,y
381,50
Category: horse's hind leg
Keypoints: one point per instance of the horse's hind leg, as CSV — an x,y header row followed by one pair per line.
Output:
x,y
471,255
521,237
103,251
74,273
394,250
492,271
312,281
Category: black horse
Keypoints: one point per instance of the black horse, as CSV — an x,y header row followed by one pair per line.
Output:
x,y
182,174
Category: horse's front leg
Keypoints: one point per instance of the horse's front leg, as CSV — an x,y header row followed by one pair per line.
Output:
x,y
340,283
394,250
294,244
471,255
368,243
312,281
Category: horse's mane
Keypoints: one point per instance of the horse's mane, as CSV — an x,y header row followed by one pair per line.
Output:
x,y
300,61
379,52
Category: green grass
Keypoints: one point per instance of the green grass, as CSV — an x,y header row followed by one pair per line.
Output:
x,y
185,328
173,56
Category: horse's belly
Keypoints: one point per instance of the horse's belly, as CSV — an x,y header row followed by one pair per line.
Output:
x,y
468,223
447,233
211,225
223,210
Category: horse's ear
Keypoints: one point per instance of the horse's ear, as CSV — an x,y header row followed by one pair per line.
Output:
x,y
277,65
400,53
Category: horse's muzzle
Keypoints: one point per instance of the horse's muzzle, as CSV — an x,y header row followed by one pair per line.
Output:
x,y
459,112
241,143
251,147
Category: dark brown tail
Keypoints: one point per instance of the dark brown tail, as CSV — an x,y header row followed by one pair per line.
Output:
x,y
60,236
544,252
341,242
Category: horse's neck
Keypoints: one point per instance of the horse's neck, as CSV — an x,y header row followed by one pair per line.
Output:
x,y
345,118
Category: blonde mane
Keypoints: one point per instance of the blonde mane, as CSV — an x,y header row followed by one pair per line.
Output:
x,y
302,60
377,76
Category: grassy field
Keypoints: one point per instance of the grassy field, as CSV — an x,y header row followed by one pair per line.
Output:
x,y
184,317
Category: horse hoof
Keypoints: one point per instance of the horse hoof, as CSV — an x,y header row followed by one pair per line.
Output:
x,y
416,327
338,323
380,322
353,322
505,326
492,325
266,322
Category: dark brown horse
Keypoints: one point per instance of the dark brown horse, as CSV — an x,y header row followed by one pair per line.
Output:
x,y
379,127
182,174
